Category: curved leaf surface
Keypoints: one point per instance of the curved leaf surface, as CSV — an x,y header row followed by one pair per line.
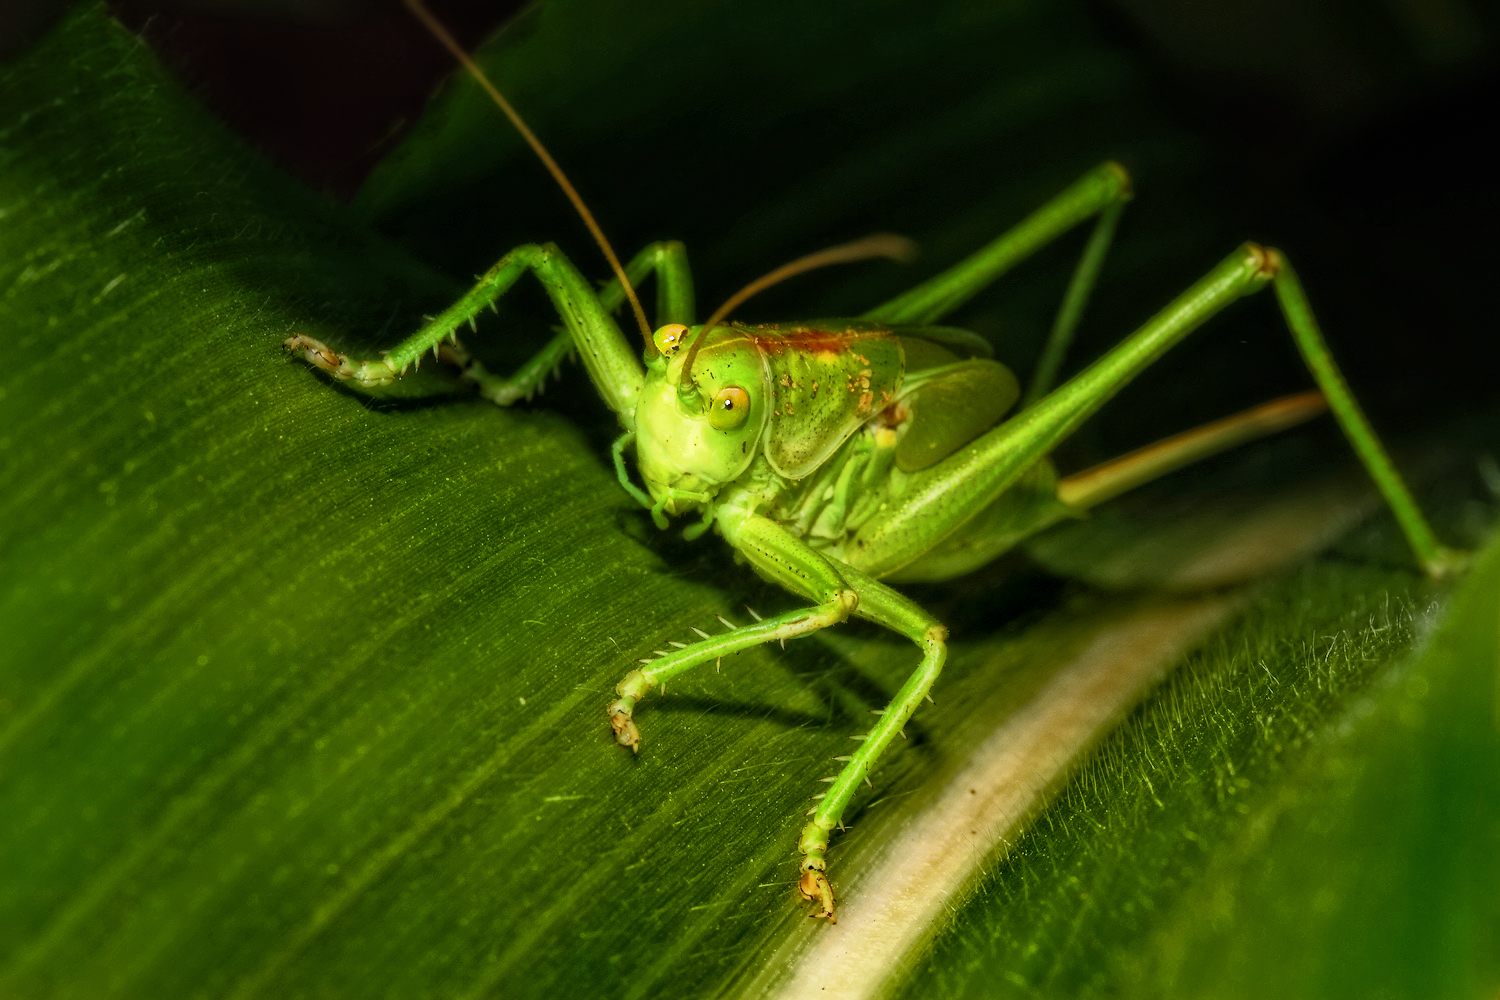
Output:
x,y
303,694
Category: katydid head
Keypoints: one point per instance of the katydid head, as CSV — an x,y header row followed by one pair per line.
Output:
x,y
693,436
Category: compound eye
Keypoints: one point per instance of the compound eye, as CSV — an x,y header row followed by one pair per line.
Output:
x,y
730,408
669,338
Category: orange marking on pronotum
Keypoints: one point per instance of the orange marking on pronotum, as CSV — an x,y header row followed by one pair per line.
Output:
x,y
816,342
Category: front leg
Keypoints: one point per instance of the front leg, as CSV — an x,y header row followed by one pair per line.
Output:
x,y
782,558
608,356
841,590
588,328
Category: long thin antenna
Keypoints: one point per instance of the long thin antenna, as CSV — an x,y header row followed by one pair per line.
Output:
x,y
895,247
441,34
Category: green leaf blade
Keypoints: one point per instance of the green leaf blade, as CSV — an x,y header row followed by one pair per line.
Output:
x,y
303,695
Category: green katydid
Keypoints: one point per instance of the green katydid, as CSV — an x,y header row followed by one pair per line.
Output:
x,y
839,455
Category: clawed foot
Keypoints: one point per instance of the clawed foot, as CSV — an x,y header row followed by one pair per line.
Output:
x,y
814,887
631,690
340,366
624,726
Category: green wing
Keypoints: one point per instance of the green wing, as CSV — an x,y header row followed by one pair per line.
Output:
x,y
949,402
828,379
